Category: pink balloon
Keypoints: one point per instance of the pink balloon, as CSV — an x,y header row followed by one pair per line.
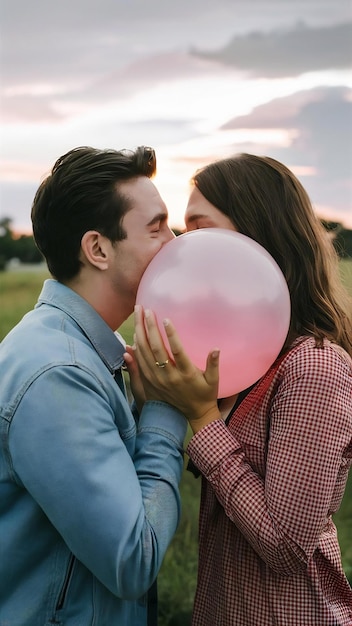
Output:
x,y
221,290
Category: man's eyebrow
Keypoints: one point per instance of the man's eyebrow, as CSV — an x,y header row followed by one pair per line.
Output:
x,y
160,217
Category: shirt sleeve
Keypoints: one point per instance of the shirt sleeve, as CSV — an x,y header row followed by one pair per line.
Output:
x,y
110,491
309,452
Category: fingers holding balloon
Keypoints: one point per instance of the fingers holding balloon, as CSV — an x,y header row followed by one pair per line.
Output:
x,y
150,348
168,379
160,353
142,350
179,356
148,334
211,373
136,383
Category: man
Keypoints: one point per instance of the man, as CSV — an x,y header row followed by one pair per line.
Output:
x,y
89,496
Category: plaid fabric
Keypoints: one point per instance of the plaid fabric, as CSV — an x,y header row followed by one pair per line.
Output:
x,y
272,478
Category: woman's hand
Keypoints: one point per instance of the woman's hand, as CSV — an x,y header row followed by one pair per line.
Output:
x,y
175,380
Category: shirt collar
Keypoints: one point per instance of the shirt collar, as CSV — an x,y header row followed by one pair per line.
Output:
x,y
109,345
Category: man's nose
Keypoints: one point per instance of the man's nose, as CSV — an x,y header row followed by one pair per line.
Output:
x,y
169,235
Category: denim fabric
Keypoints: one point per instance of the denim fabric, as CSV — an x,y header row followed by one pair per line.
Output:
x,y
89,498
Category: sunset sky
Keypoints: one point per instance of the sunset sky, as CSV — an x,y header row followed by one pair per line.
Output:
x,y
195,79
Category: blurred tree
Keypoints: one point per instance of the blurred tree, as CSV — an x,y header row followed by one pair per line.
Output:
x,y
22,248
342,238
5,241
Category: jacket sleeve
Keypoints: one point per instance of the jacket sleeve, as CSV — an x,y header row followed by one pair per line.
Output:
x,y
309,452
110,492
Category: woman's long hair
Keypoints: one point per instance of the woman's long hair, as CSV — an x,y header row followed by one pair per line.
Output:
x,y
266,202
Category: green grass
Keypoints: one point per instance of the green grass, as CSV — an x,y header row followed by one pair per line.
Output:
x,y
346,273
18,294
177,579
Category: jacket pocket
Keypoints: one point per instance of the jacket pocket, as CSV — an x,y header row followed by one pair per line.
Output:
x,y
66,584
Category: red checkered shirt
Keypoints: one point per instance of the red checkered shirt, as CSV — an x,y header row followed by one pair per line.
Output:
x,y
272,478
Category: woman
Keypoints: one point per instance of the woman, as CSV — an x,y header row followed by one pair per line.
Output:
x,y
274,460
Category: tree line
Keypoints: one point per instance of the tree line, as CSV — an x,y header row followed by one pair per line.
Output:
x,y
23,248
19,247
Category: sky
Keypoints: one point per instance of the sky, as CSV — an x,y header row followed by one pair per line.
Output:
x,y
196,79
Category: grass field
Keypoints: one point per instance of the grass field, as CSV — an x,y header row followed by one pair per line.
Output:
x,y
177,579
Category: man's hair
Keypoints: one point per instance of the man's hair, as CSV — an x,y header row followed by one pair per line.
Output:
x,y
265,201
81,193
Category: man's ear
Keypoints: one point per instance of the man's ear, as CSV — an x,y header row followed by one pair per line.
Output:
x,y
95,249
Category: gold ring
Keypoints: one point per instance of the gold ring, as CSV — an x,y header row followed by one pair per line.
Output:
x,y
163,364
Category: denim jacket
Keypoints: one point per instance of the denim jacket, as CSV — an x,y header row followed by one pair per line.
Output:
x,y
89,497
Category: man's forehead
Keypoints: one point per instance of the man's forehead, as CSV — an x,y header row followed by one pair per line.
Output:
x,y
144,201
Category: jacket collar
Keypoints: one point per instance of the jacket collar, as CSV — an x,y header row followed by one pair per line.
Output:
x,y
109,345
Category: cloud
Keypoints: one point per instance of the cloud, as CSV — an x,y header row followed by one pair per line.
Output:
x,y
79,39
56,103
320,123
282,53
321,119
56,41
